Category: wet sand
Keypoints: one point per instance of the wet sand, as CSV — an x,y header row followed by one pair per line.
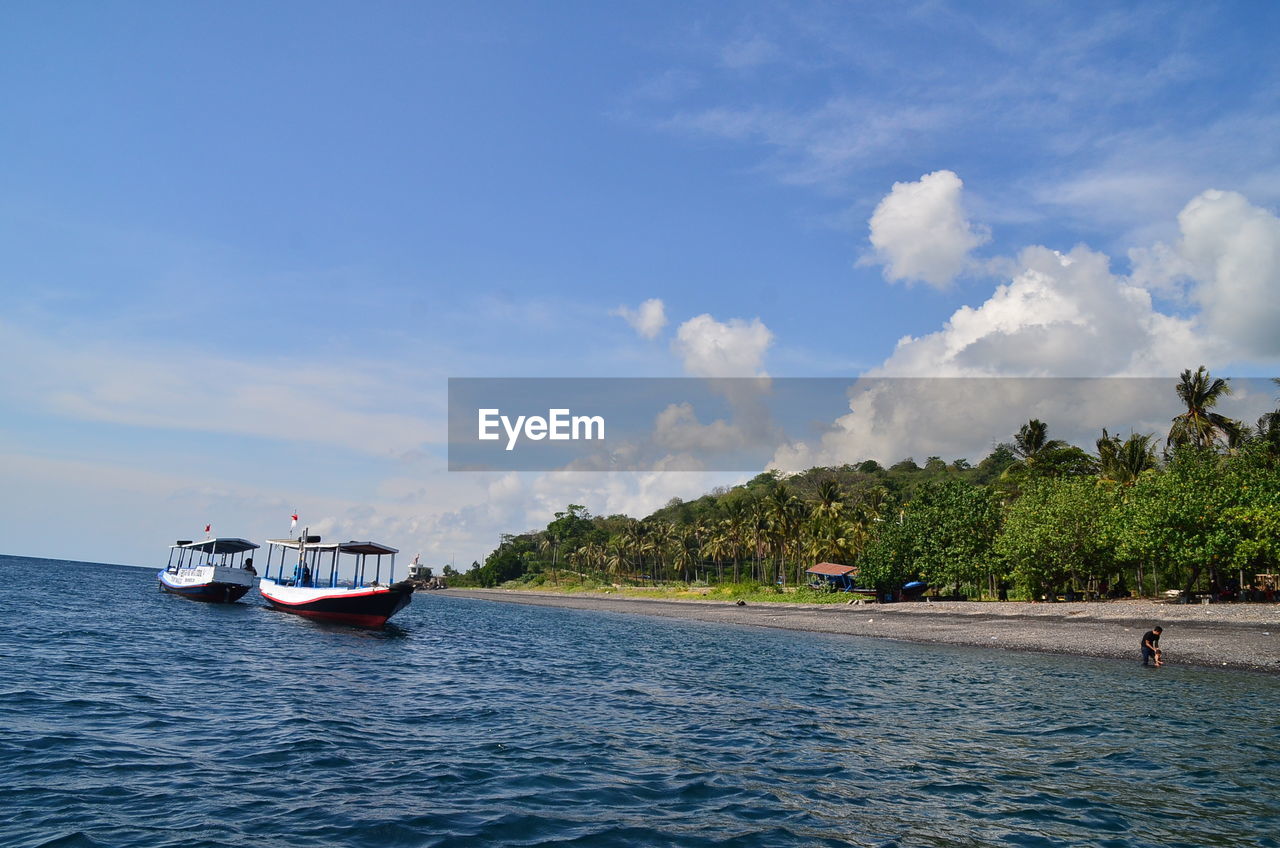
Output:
x,y
1240,636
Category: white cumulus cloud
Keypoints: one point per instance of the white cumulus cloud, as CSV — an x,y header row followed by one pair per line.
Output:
x,y
733,348
1232,249
1065,315
920,231
677,428
1061,315
648,319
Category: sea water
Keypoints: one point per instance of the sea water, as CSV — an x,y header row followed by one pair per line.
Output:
x,y
133,718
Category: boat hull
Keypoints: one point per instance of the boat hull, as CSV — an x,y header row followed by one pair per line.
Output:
x,y
368,606
211,585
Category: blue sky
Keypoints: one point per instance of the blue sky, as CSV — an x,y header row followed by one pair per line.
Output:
x,y
243,246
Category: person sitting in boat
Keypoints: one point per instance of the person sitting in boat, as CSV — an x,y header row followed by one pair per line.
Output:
x,y
306,576
248,566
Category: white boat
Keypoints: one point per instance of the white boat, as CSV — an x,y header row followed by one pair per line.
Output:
x,y
336,581
214,570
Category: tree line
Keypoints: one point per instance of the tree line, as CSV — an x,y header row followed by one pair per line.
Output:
x,y
1035,518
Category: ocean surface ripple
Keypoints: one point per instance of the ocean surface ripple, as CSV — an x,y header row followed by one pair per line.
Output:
x,y
133,718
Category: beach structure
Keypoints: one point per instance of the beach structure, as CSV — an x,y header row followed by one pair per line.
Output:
x,y
841,578
422,576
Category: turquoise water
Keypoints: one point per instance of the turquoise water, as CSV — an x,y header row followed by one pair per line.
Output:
x,y
132,718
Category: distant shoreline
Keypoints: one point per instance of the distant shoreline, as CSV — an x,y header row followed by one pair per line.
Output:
x,y
1235,636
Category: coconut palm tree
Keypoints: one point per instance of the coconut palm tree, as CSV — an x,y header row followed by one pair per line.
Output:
x,y
592,556
662,542
717,546
682,551
1123,462
784,511
758,535
735,528
1032,442
549,545
633,545
830,501
1200,426
826,526
615,561
1267,433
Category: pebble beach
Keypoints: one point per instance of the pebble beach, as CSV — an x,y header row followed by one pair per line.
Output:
x,y
1231,636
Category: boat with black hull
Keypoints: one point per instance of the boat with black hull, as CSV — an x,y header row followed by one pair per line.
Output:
x,y
331,580
213,570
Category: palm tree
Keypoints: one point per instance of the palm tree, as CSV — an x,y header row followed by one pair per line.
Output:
x,y
1032,442
758,534
592,556
615,560
1199,426
547,544
1123,462
649,544
735,529
633,545
825,529
662,543
717,547
830,501
1032,447
784,511
1268,431
682,551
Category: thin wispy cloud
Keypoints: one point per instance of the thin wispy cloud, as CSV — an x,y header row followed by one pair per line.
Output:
x,y
169,388
747,53
647,319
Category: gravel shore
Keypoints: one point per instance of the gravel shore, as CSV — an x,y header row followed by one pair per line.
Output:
x,y
1240,636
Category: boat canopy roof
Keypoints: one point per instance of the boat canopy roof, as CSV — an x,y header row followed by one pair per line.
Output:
x,y
220,545
832,569
296,543
352,547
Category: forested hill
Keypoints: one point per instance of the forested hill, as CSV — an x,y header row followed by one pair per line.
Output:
x,y
1198,508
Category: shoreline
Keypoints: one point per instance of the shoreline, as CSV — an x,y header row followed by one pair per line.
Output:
x,y
1236,636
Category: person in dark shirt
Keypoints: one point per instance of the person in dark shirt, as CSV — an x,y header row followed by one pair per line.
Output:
x,y
1151,646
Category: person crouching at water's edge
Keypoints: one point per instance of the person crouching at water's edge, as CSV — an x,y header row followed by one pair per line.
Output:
x,y
1151,646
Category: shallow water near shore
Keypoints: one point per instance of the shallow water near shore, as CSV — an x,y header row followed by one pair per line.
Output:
x,y
133,718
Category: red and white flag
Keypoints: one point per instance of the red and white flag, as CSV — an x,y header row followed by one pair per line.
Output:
x,y
294,524
207,528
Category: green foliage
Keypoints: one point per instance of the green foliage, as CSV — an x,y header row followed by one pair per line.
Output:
x,y
1205,510
1036,510
944,536
994,464
1057,534
1125,461
1200,426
